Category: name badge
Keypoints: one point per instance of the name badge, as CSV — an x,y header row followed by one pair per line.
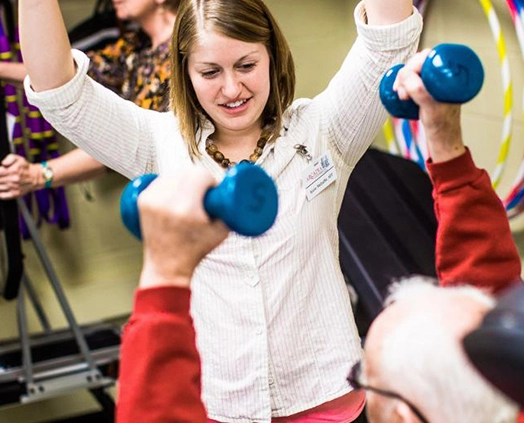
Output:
x,y
319,175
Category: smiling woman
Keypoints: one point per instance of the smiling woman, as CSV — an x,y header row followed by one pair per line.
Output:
x,y
259,309
230,79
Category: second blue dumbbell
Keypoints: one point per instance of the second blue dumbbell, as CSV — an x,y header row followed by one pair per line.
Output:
x,y
246,200
452,73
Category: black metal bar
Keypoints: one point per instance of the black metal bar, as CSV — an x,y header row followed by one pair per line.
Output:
x,y
9,216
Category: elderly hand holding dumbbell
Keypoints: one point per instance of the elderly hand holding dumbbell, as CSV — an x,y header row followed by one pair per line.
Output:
x,y
176,230
441,120
431,86
181,219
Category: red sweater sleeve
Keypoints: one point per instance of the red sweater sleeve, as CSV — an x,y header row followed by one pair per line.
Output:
x,y
474,241
159,378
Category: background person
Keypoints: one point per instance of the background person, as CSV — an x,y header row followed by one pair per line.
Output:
x,y
136,67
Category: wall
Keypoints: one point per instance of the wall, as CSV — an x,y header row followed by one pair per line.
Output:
x,y
98,262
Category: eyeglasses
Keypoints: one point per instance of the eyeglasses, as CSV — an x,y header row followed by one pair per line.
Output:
x,y
353,379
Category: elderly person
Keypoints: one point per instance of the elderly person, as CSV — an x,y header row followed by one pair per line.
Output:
x,y
414,367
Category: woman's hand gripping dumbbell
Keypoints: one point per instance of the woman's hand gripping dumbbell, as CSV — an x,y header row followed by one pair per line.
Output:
x,y
246,200
451,73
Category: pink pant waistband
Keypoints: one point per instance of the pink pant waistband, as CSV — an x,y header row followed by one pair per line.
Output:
x,y
341,410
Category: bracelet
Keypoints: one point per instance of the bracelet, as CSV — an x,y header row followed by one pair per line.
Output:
x,y
48,174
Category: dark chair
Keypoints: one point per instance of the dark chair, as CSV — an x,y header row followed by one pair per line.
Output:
x,y
387,228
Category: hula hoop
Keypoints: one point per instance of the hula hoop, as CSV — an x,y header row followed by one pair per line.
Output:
x,y
513,201
502,157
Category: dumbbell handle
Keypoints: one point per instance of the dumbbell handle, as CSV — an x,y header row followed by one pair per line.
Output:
x,y
246,200
452,73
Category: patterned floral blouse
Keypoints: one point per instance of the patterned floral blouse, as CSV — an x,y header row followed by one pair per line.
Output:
x,y
134,70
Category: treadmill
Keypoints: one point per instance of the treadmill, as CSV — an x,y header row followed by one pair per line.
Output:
x,y
38,366
35,367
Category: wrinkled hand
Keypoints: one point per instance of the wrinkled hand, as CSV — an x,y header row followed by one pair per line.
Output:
x,y
18,177
177,233
441,121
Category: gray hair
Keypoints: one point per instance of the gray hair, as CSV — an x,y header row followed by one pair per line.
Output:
x,y
417,286
429,367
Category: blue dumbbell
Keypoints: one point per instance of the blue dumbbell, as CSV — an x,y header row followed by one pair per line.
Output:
x,y
452,73
246,200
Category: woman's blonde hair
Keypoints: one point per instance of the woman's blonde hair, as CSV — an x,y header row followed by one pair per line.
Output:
x,y
245,20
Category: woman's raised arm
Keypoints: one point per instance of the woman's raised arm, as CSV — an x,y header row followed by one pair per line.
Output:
x,y
45,44
386,12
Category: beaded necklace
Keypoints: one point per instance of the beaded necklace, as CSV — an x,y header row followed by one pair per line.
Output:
x,y
223,161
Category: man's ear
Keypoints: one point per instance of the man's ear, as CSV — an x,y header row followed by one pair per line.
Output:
x,y
404,414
